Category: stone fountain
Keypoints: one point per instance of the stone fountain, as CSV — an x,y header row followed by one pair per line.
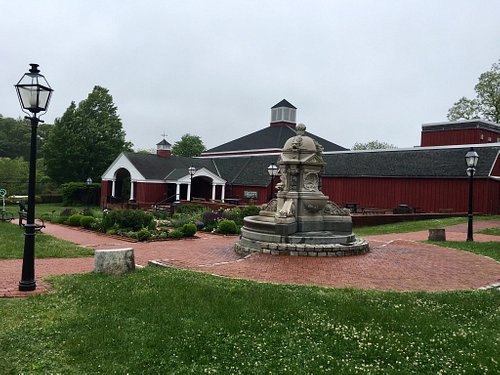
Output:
x,y
301,220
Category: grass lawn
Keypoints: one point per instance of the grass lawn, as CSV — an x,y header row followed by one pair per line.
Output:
x,y
492,231
12,245
173,321
490,249
414,226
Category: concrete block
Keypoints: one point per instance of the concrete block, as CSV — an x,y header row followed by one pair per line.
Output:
x,y
437,234
114,261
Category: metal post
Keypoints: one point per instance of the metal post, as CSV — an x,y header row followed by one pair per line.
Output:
x,y
469,214
28,282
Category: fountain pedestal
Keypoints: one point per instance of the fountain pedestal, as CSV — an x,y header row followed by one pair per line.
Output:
x,y
301,220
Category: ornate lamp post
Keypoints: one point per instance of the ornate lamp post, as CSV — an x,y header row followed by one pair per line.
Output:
x,y
273,172
192,171
34,94
88,182
471,161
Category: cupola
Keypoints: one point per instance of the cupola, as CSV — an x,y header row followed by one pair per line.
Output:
x,y
283,114
163,149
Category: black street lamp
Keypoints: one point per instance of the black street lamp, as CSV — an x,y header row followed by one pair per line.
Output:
x,y
471,161
273,172
88,182
192,171
34,94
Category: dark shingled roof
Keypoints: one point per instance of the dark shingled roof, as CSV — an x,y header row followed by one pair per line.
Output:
x,y
283,103
249,170
461,125
420,162
154,167
163,143
272,137
447,162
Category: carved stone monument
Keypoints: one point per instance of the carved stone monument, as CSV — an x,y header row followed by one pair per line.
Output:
x,y
301,220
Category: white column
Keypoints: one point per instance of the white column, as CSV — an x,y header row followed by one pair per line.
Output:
x,y
223,193
213,191
177,192
113,187
189,192
132,190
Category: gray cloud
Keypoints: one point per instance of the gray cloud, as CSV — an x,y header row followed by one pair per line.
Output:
x,y
356,70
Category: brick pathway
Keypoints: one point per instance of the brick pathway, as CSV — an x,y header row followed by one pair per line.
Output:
x,y
396,262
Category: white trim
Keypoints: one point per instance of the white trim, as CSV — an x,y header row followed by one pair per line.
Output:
x,y
202,172
243,153
493,165
122,162
416,148
461,122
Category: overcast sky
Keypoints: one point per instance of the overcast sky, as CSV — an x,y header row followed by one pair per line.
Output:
x,y
356,70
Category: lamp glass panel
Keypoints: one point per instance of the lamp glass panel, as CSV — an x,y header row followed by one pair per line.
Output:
x,y
471,159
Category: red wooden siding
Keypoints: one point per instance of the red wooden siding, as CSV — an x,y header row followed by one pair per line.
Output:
x,y
496,168
238,191
105,192
457,137
150,193
430,195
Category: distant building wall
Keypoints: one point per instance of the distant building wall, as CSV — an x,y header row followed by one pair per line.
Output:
x,y
425,194
457,137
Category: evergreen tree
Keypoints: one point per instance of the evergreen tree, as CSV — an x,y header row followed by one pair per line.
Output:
x,y
189,145
486,105
86,139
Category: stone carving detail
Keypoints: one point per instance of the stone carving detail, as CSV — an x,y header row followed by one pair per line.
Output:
x,y
271,206
313,206
296,144
288,209
311,182
334,210
319,149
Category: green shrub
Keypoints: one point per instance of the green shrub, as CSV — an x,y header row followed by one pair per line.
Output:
x,y
190,209
227,227
97,225
189,230
46,217
87,221
59,220
133,219
80,193
180,220
177,233
74,220
67,212
144,234
250,211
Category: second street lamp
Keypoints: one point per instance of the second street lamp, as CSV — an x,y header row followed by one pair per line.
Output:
x,y
88,182
192,171
34,93
273,172
471,159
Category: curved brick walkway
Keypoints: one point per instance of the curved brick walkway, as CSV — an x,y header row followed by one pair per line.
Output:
x,y
396,262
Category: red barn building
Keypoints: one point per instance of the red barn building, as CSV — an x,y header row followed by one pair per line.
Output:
x,y
430,178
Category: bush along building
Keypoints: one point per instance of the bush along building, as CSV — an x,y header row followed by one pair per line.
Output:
x,y
429,178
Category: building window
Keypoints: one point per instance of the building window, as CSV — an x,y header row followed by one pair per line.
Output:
x,y
489,139
283,114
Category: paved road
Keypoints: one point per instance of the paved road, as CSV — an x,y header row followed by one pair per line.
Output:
x,y
395,262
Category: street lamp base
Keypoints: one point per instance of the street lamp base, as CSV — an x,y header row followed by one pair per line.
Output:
x,y
26,286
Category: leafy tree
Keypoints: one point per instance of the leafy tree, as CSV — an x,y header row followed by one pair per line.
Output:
x,y
86,139
189,145
373,145
14,176
487,102
15,137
